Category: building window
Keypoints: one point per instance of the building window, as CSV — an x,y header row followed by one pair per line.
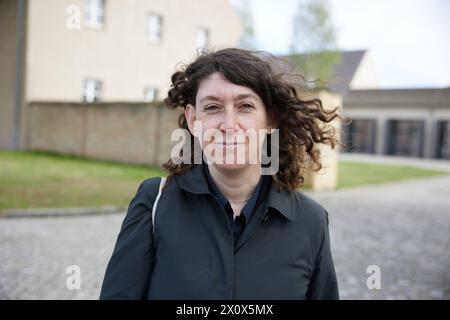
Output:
x,y
150,94
95,13
359,135
92,90
443,139
202,38
154,28
405,137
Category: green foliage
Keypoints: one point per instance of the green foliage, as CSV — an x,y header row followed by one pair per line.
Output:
x,y
247,40
317,67
314,37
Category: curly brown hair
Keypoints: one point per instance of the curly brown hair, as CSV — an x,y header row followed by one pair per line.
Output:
x,y
302,123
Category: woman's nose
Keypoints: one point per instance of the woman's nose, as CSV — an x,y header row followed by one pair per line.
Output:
x,y
229,120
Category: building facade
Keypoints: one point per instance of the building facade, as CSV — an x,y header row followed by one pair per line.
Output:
x,y
400,122
397,122
100,50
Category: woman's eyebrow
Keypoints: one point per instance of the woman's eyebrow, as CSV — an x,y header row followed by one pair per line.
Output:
x,y
213,98
245,96
238,97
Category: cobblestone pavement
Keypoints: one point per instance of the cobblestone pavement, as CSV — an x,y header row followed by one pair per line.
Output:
x,y
404,228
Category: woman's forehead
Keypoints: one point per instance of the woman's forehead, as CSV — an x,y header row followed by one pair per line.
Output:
x,y
217,87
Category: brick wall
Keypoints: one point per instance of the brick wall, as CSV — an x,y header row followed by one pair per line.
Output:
x,y
126,132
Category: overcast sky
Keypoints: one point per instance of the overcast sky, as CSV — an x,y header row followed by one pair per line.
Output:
x,y
409,40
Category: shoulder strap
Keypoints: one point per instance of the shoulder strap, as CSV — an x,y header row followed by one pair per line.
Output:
x,y
155,204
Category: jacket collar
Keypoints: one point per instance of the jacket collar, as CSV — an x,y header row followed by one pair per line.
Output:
x,y
283,201
195,181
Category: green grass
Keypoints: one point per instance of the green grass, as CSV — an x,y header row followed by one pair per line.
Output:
x,y
353,174
39,180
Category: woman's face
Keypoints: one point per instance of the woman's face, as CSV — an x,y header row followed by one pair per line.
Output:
x,y
231,120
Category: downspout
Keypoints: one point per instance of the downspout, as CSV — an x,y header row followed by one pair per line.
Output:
x,y
20,22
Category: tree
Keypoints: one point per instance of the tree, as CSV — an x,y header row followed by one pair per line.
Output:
x,y
313,46
247,40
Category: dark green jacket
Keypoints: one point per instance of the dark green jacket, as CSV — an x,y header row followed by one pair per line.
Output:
x,y
283,252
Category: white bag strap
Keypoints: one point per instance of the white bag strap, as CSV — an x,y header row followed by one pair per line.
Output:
x,y
155,204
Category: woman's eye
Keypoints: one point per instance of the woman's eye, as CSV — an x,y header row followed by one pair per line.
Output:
x,y
211,108
247,106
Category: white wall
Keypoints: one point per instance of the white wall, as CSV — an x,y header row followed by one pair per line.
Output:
x,y
58,59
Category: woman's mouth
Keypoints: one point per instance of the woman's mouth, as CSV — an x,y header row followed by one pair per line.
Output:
x,y
229,144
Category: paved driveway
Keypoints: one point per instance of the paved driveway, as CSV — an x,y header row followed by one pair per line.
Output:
x,y
403,228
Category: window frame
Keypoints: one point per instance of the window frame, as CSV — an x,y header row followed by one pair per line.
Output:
x,y
155,93
206,35
99,22
149,36
97,90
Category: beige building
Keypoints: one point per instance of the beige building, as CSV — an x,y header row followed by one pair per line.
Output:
x,y
99,50
403,122
396,122
356,70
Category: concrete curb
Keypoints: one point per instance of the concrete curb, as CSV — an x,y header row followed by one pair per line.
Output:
x,y
61,212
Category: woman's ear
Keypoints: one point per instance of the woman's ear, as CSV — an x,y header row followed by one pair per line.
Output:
x,y
189,113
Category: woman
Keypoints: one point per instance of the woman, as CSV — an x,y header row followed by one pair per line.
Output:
x,y
224,229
